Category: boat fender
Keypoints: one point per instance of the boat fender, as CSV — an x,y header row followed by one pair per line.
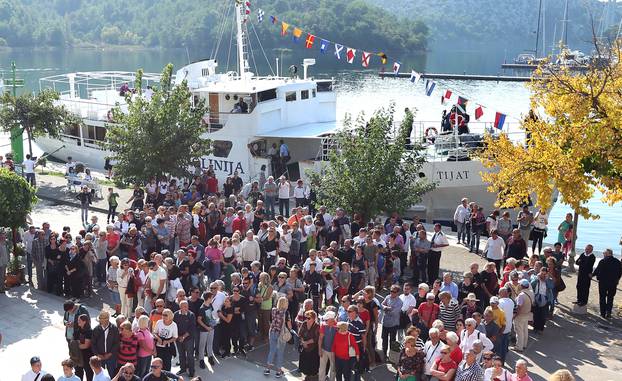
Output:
x,y
430,134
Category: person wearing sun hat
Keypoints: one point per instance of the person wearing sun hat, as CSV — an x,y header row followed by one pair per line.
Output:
x,y
470,306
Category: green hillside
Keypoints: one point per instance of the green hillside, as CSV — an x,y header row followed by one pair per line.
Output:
x,y
177,23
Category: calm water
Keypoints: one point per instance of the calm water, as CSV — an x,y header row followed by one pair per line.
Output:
x,y
358,91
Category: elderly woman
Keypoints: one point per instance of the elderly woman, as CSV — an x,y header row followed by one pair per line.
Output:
x,y
469,369
165,334
346,352
444,367
449,310
412,360
280,322
124,276
453,342
146,347
309,334
112,283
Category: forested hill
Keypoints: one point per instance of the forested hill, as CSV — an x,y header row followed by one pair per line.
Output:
x,y
176,23
502,21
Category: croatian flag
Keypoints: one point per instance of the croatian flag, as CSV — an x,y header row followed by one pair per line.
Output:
x,y
499,120
429,87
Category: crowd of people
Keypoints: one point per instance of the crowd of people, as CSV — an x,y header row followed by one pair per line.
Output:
x,y
216,273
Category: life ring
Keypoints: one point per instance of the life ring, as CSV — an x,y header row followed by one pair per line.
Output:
x,y
453,118
430,134
109,116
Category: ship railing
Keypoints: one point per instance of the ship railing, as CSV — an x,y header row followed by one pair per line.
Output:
x,y
436,146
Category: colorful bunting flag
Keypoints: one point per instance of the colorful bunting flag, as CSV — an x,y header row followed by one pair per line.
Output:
x,y
284,27
414,77
396,67
429,87
247,8
310,40
273,19
446,96
365,59
338,50
462,100
383,58
323,46
499,120
296,34
260,14
350,54
479,112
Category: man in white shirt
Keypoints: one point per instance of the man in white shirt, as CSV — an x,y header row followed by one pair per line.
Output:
x,y
470,335
328,219
495,249
460,218
408,303
507,306
360,239
35,372
70,165
284,188
29,170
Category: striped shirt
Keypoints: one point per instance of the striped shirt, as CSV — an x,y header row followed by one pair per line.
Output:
x,y
449,314
128,350
472,373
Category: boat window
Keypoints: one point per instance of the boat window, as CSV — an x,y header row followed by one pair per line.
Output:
x,y
324,86
313,93
304,94
221,148
290,96
266,95
96,133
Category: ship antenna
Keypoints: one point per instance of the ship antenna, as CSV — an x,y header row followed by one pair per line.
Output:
x,y
240,19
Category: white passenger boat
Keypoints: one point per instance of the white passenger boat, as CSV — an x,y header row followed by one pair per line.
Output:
x,y
300,111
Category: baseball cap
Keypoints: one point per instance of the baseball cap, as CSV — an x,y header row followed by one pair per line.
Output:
x,y
329,315
494,300
430,295
34,360
524,283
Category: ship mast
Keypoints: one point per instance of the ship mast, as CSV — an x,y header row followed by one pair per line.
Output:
x,y
565,26
538,30
240,19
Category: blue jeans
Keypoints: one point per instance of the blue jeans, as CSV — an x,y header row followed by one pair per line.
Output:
x,y
284,207
474,245
505,343
270,200
277,349
142,366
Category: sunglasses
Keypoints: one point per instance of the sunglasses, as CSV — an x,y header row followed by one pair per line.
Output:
x,y
394,291
488,358
236,290
155,366
444,352
159,306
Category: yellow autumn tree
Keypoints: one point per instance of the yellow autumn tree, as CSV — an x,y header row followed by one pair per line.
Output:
x,y
572,142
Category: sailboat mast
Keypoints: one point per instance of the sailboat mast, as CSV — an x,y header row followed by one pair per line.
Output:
x,y
538,30
239,19
543,29
565,26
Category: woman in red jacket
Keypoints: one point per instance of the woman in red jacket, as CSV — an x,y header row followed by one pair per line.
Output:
x,y
346,352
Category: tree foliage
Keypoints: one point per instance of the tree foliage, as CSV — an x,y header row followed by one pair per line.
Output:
x,y
373,171
161,136
574,145
195,24
17,197
36,114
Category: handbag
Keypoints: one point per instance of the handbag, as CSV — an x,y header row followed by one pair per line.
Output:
x,y
131,287
285,335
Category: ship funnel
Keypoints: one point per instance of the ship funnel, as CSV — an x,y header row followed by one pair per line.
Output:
x,y
306,63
